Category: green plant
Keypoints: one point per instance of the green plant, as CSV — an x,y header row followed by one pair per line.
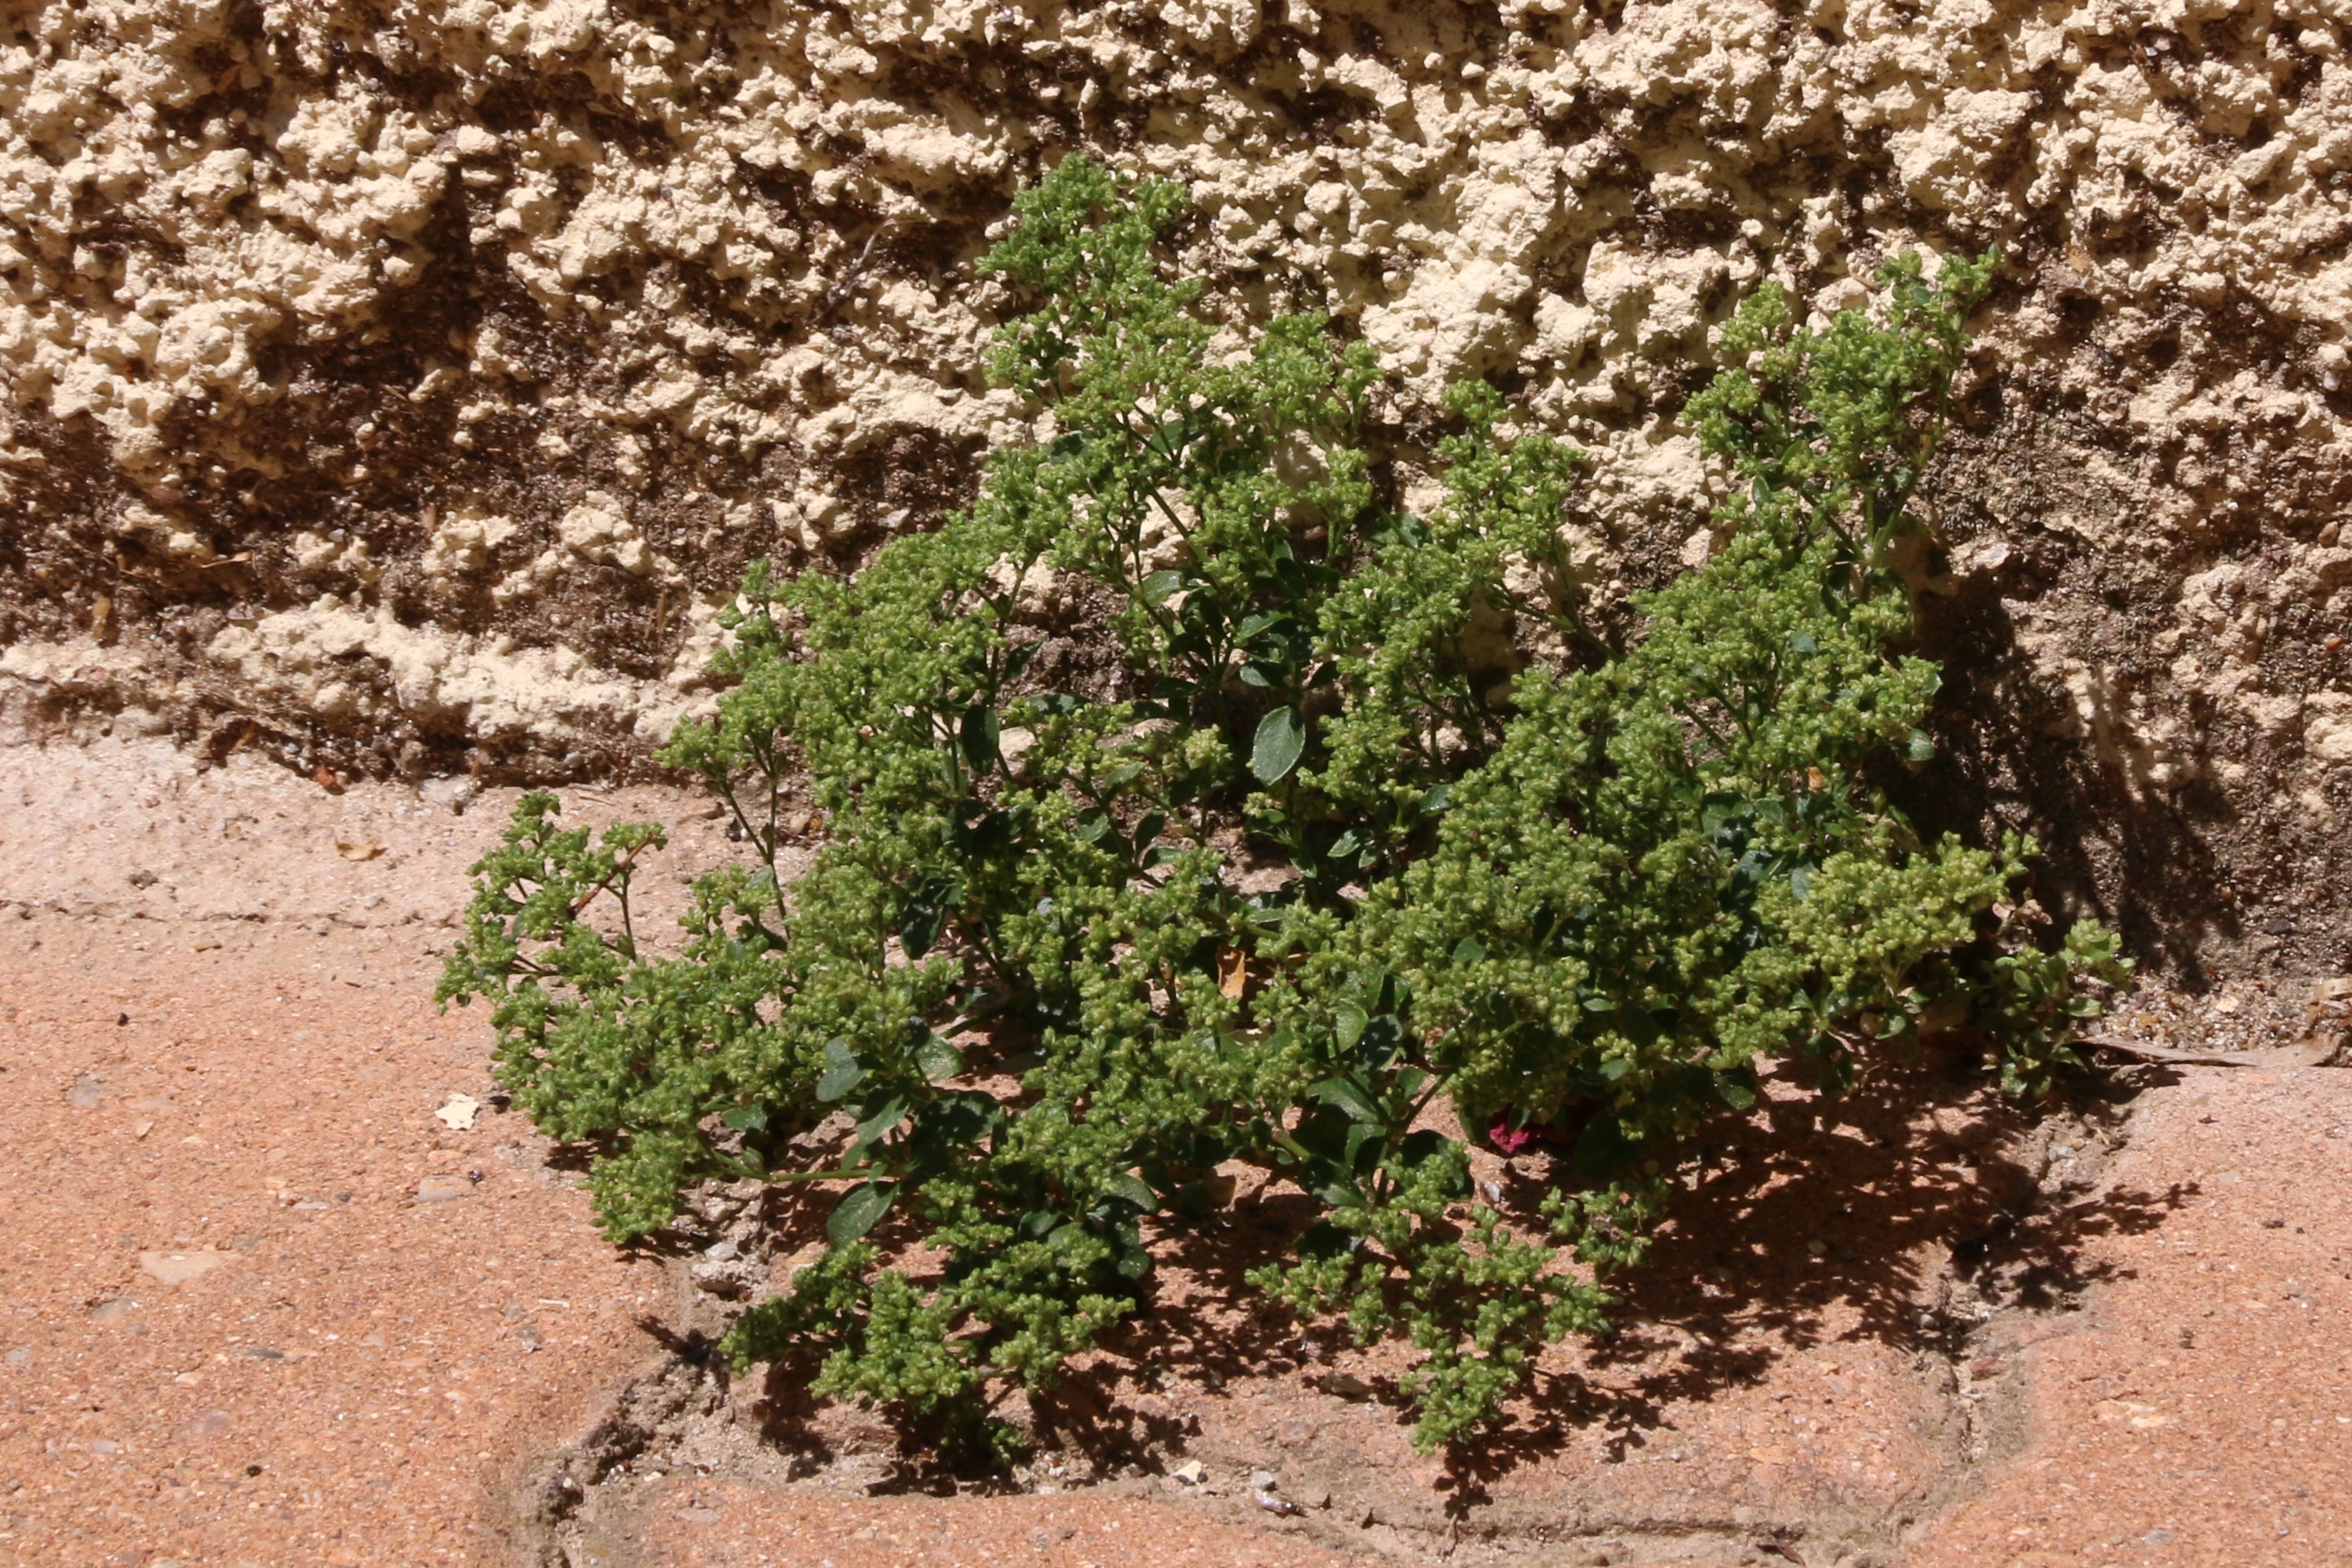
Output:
x,y
1582,895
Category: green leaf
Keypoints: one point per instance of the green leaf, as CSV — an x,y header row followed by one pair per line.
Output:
x,y
1159,586
842,1072
1921,746
921,929
859,1209
1348,1096
881,1121
980,734
747,1118
939,1060
1281,737
1323,1239
1334,1184
1348,1023
946,1127
1134,1191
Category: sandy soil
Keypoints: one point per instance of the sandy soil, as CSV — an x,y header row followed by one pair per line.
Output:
x,y
259,1304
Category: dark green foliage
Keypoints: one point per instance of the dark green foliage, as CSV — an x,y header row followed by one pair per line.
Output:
x,y
1582,897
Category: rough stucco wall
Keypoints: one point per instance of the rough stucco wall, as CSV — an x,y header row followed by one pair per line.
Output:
x,y
415,378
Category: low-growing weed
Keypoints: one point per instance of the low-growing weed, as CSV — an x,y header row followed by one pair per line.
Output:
x,y
1352,844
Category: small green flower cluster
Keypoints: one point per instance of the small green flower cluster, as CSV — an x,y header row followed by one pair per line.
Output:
x,y
1339,832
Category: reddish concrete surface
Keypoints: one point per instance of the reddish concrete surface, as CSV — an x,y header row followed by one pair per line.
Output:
x,y
343,1374
220,1065
695,1524
220,1068
258,1305
2201,1411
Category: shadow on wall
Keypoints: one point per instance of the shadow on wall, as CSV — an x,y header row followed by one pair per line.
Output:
x,y
2011,758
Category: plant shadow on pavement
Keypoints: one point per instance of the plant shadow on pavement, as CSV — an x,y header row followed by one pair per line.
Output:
x,y
1874,1208
1920,1182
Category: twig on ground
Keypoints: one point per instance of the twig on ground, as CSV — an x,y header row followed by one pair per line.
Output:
x,y
2169,1058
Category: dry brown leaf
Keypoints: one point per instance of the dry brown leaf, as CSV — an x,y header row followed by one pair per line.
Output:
x,y
366,850
1232,972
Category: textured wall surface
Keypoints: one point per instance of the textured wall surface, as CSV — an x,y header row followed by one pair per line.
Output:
x,y
386,382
